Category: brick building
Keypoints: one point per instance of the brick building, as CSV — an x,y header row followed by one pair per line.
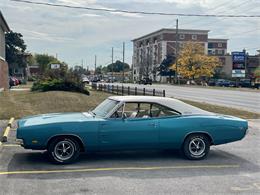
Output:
x,y
150,50
4,84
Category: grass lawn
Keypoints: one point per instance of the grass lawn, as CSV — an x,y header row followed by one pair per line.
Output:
x,y
19,104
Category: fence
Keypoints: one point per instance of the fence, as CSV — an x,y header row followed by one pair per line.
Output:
x,y
123,90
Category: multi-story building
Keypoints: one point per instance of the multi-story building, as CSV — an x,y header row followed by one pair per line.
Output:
x,y
150,50
3,64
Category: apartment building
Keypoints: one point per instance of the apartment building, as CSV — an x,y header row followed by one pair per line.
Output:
x,y
150,50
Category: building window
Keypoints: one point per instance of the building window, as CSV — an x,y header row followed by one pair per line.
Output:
x,y
220,51
182,36
194,37
210,45
134,71
219,44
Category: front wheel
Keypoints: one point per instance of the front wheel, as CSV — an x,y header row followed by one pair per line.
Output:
x,y
196,147
63,150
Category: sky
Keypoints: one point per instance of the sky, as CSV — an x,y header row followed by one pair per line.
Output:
x,y
76,36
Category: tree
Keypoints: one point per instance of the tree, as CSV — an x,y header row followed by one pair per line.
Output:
x,y
15,49
165,67
194,63
118,66
43,60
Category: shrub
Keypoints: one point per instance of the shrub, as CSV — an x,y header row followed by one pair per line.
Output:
x,y
59,81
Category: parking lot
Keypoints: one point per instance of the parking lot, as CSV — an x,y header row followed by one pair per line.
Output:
x,y
231,168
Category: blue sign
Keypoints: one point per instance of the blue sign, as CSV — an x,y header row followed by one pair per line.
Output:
x,y
238,60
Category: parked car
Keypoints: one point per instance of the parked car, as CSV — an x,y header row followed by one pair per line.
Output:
x,y
12,82
130,123
225,83
145,81
256,83
245,83
85,80
212,82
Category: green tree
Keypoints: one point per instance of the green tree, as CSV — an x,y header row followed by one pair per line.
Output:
x,y
44,60
165,67
15,49
118,66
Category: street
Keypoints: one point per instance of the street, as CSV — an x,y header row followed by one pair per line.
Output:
x,y
230,168
245,100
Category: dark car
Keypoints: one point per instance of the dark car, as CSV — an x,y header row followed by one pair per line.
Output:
x,y
245,83
212,82
145,81
225,83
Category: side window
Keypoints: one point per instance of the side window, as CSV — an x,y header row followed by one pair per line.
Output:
x,y
162,111
131,110
118,113
137,110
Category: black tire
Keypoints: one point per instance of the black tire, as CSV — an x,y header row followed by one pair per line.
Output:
x,y
72,147
196,152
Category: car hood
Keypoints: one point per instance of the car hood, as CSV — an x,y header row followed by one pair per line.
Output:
x,y
54,118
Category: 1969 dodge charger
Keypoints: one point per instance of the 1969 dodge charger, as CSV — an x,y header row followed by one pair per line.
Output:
x,y
130,123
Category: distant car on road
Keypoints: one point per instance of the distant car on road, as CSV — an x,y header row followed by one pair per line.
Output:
x,y
130,123
85,80
245,83
145,81
225,83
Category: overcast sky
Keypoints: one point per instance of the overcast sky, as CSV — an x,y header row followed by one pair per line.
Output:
x,y
77,35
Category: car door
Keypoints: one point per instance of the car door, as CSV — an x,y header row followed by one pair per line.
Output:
x,y
170,125
129,132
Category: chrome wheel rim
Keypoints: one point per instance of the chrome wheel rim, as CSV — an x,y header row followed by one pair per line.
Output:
x,y
64,150
197,146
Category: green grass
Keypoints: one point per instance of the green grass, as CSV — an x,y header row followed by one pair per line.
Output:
x,y
224,110
19,104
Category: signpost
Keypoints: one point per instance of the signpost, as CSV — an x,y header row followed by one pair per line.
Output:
x,y
239,64
55,66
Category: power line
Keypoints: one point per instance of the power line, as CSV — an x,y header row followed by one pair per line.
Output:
x,y
137,12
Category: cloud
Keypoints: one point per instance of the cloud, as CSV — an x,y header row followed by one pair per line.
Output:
x,y
77,34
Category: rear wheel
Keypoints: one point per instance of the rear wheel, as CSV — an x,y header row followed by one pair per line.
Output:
x,y
63,150
196,146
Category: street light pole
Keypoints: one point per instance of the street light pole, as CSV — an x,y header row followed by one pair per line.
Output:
x,y
95,64
112,65
176,52
123,62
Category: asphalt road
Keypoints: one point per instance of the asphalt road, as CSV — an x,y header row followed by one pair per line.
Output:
x,y
246,100
229,169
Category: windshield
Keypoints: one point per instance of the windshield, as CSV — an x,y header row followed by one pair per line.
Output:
x,y
104,108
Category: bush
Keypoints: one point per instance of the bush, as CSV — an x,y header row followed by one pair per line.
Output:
x,y
60,81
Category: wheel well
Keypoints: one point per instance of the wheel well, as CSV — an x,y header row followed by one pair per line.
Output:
x,y
76,138
200,133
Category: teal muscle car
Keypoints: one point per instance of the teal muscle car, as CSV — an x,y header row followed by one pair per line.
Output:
x,y
130,123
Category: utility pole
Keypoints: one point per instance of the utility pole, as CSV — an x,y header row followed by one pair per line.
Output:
x,y
176,52
82,64
112,56
95,65
123,62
